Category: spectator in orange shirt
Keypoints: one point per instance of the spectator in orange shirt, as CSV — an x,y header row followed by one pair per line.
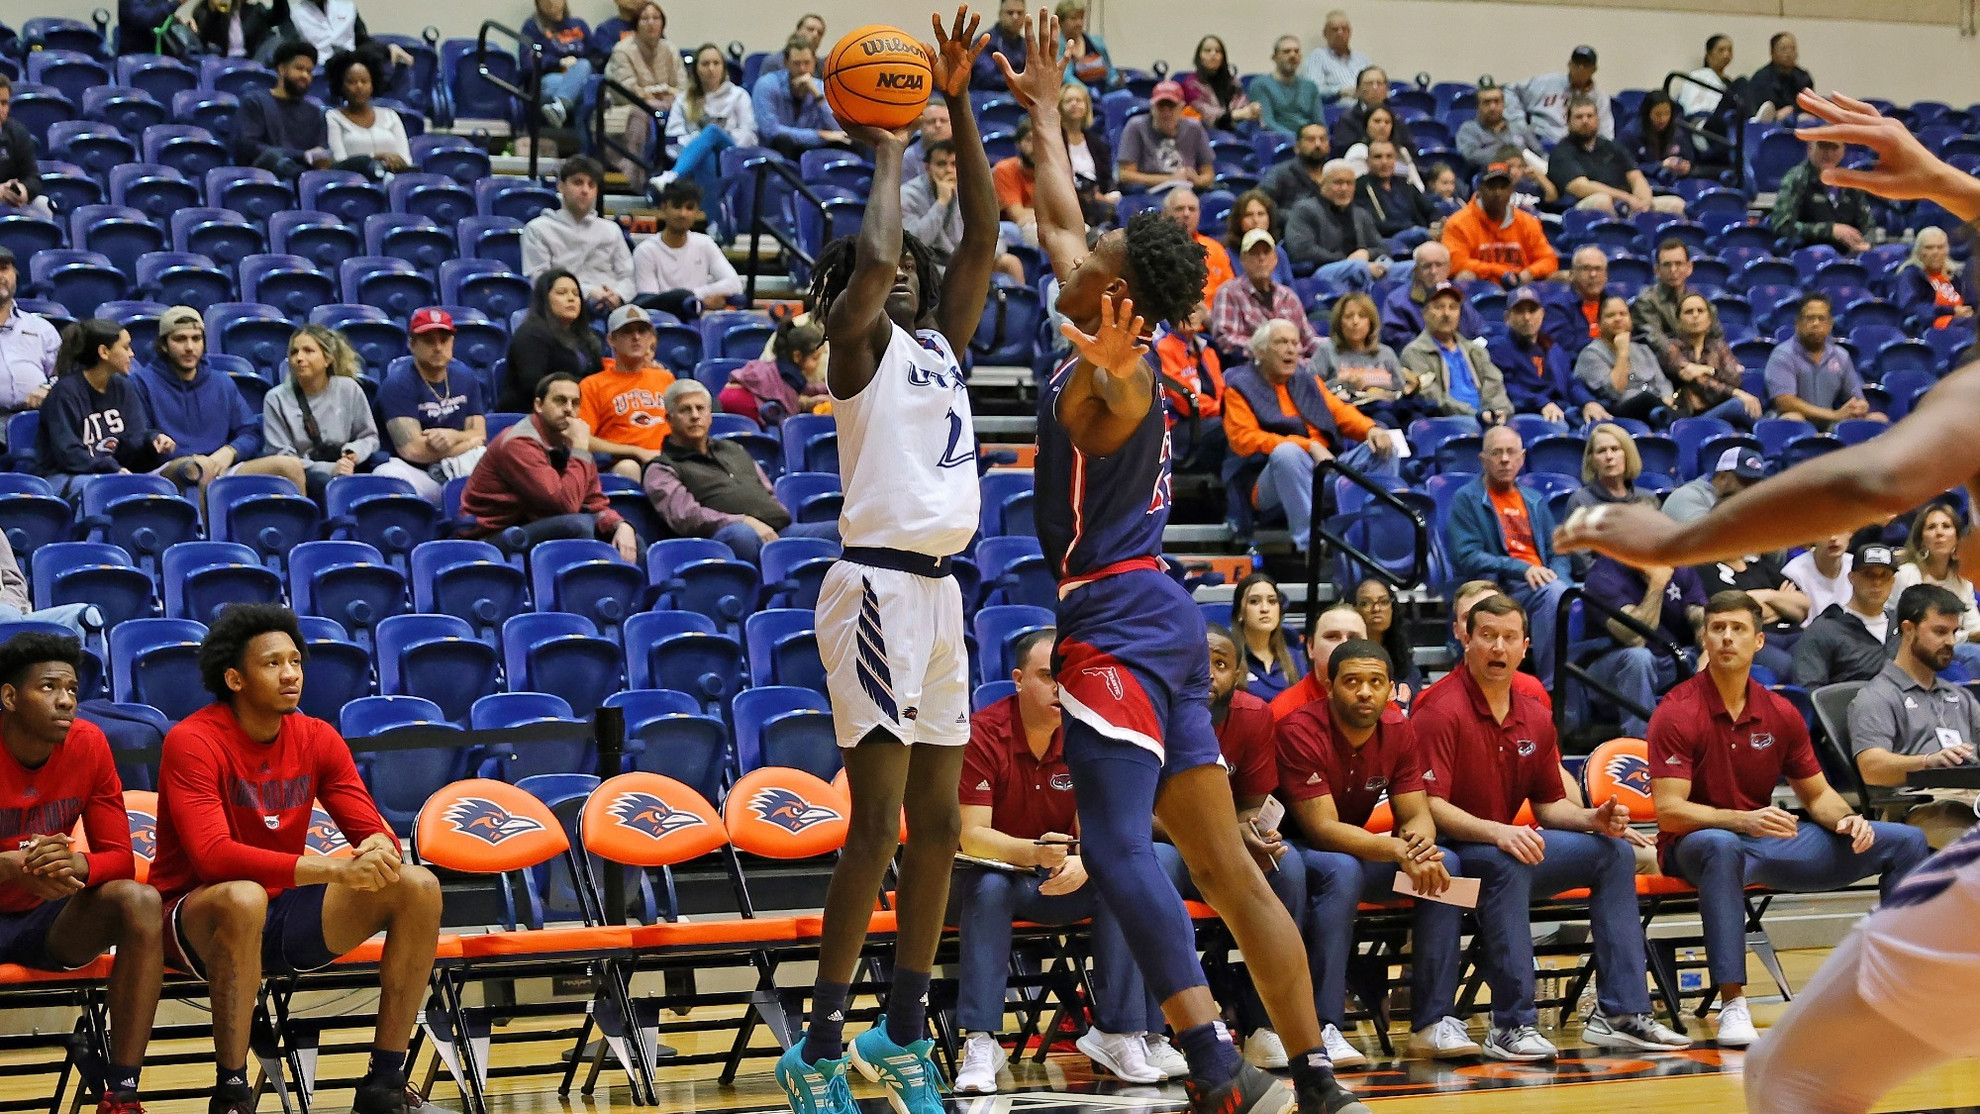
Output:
x,y
1192,393
1493,239
624,403
1014,179
1181,205
1281,421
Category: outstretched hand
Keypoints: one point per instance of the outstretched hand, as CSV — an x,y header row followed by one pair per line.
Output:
x,y
1634,535
1904,170
956,52
1044,69
1116,346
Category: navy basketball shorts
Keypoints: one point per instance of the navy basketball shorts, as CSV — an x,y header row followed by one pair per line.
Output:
x,y
1134,667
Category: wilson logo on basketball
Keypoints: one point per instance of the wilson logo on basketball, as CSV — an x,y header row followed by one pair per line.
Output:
x,y
325,838
874,47
648,814
1631,772
789,811
144,835
487,821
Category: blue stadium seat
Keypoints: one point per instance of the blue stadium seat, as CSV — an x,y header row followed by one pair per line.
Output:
x,y
497,238
480,344
437,657
401,779
94,145
548,651
206,108
997,630
139,318
585,577
80,280
238,76
518,199
176,278
571,750
69,187
258,333
250,191
1556,454
708,667
187,148
703,575
346,195
28,236
675,738
486,284
346,581
225,235
389,284
321,238
139,514
382,512
157,191
156,662
1014,571
435,196
781,725
783,635
987,694
408,236
95,573
450,156
33,518
467,579
73,72
677,346
161,77
290,283
202,577
810,496
475,97
794,569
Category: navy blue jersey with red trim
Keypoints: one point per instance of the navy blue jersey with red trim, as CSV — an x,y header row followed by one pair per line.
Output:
x,y
1093,511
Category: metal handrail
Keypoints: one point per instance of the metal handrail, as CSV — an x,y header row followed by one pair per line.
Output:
x,y
1321,531
760,166
1566,668
602,143
1736,142
531,55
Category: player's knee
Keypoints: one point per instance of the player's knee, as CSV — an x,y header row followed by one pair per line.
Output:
x,y
237,909
417,888
137,908
935,826
873,829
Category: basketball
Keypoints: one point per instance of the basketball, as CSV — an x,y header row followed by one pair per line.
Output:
x,y
878,76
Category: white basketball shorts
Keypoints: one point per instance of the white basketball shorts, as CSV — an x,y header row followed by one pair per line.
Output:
x,y
894,655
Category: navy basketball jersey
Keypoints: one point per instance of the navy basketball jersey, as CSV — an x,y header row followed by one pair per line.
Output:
x,y
1094,512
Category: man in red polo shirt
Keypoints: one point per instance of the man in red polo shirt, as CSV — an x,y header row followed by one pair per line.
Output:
x,y
1719,743
1246,740
1338,758
1018,813
1490,750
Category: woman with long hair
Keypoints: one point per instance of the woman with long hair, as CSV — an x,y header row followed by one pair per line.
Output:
x,y
1213,90
320,413
555,335
714,116
1376,603
1265,657
359,128
1622,371
93,420
1094,176
649,65
789,378
1701,95
1931,556
1708,374
1357,366
1382,126
1254,208
1662,149
1928,283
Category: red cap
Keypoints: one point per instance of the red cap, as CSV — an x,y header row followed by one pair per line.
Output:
x,y
430,320
1166,91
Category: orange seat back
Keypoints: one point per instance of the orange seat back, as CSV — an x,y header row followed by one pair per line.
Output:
x,y
1524,817
141,806
481,826
1382,820
646,820
1620,768
781,813
325,837
844,785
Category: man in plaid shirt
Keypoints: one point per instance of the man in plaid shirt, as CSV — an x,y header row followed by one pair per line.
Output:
x,y
1243,304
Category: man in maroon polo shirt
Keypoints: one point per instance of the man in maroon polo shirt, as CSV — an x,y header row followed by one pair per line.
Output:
x,y
1018,819
1719,744
1338,758
1491,749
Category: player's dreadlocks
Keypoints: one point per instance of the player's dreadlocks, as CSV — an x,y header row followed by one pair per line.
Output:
x,y
834,270
1165,268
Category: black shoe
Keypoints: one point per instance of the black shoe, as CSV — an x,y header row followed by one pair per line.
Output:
x,y
231,1101
390,1094
1329,1098
1251,1091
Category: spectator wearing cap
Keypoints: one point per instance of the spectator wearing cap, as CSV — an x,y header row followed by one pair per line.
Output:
x,y
433,409
1402,310
1336,67
213,430
1287,101
1280,418
1481,138
20,174
1403,215
1539,376
537,477
1494,240
28,346
1736,470
577,237
1670,601
1544,100
1182,206
1243,304
1774,86
624,404
1621,371
1595,170
1165,149
1371,91
1853,641
1808,211
704,487
1334,235
1452,373
1810,377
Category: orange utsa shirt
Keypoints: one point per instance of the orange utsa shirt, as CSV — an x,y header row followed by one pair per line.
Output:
x,y
626,409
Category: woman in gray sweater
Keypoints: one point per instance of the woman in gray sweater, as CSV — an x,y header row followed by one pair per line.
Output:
x,y
321,414
1623,372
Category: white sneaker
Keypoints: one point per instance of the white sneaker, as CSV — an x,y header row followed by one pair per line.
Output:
x,y
1163,1057
555,112
1265,1050
982,1059
1638,1032
1736,1024
1446,1040
1523,1043
1343,1054
1119,1053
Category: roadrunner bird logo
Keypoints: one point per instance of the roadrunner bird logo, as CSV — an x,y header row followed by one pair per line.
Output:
x,y
487,821
646,813
1631,772
786,809
325,838
144,835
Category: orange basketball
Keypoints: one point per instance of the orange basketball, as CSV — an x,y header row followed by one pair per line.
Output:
x,y
878,76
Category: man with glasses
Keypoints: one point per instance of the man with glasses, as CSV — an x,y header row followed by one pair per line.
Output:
x,y
1574,320
1656,309
1808,212
1810,377
1502,531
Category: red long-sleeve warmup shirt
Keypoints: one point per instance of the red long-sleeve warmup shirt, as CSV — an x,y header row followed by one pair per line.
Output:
x,y
78,780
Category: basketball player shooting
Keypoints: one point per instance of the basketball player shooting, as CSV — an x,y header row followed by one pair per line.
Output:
x,y
890,619
1132,659
1905,981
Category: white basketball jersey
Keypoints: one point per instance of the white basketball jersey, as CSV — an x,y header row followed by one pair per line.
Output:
x,y
1920,965
907,452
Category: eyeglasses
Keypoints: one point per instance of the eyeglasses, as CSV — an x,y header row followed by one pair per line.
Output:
x,y
1375,603
1502,454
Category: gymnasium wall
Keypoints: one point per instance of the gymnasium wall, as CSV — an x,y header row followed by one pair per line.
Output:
x,y
1904,50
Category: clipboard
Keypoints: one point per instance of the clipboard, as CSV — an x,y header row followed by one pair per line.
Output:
x,y
1463,892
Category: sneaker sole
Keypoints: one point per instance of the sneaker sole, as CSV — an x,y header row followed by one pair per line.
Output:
x,y
1494,1052
1614,1039
1458,1052
872,1075
791,1096
1277,1100
1107,1064
1354,1061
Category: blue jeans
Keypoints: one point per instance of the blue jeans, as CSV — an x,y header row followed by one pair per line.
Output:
x,y
1722,863
75,616
1505,894
700,161
1336,884
1733,412
1542,604
567,85
741,538
1638,673
989,900
1287,482
1288,882
1357,275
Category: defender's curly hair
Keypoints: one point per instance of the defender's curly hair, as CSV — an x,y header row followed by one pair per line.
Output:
x,y
1165,268
834,269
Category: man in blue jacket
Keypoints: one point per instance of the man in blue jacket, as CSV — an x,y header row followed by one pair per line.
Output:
x,y
1539,373
791,113
213,430
1504,532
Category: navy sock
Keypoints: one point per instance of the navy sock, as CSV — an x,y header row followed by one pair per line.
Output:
x,y
385,1061
1312,1069
122,1080
907,1006
230,1080
1213,1059
824,1037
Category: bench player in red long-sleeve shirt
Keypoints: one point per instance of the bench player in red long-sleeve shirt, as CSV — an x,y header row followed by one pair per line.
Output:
x,y
236,783
61,908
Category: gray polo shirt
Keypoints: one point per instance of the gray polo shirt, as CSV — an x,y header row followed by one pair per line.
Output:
x,y
1828,381
1893,712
